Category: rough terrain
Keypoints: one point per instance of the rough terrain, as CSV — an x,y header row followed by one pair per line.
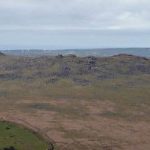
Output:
x,y
79,103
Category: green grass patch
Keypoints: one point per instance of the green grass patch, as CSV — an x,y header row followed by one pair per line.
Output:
x,y
12,135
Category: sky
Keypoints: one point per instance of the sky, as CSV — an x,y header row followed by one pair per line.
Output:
x,y
71,24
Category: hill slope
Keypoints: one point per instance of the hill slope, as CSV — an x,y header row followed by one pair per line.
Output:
x,y
80,102
77,69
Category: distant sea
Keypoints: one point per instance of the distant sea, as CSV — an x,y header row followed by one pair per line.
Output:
x,y
144,52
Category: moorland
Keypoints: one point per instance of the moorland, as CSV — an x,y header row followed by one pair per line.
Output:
x,y
98,103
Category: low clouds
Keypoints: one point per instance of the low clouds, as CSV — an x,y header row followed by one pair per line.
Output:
x,y
80,16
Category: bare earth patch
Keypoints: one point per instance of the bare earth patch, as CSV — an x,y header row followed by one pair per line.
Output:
x,y
92,131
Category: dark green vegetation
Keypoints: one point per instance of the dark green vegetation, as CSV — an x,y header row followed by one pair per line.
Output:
x,y
13,137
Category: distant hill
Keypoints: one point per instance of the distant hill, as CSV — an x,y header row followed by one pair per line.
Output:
x,y
2,54
144,52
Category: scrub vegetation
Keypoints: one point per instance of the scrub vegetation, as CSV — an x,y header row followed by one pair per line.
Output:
x,y
78,102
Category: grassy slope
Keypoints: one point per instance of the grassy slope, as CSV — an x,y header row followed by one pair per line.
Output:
x,y
18,137
129,94
123,80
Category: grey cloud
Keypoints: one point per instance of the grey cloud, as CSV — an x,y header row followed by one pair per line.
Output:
x,y
75,13
100,20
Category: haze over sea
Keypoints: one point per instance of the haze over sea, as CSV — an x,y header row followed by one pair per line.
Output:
x,y
144,52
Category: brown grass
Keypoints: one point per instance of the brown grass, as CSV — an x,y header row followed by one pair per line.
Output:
x,y
82,125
